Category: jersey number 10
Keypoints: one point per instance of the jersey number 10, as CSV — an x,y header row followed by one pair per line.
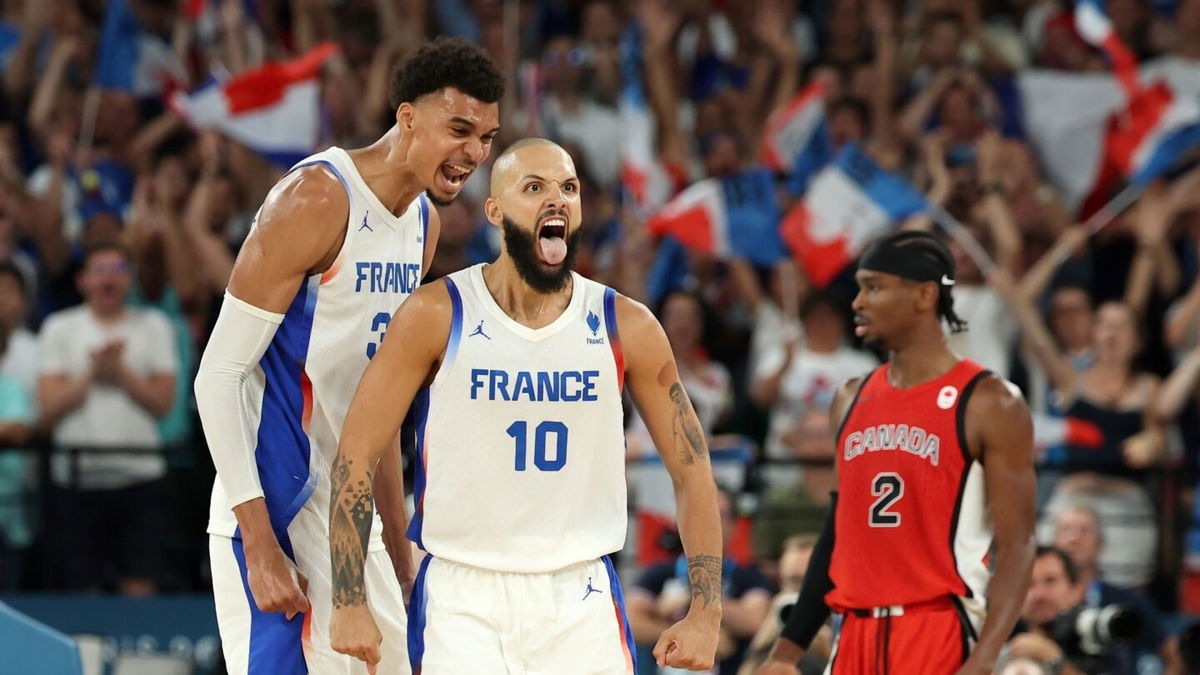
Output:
x,y
518,430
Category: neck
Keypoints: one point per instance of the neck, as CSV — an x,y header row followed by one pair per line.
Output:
x,y
1087,575
1111,366
924,357
384,167
107,315
524,304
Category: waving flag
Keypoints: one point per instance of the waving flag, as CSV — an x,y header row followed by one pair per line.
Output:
x,y
796,134
848,204
724,217
1093,24
132,59
1158,128
272,110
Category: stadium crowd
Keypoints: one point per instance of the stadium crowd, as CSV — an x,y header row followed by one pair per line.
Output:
x,y
119,223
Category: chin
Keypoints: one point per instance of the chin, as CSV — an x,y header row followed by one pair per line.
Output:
x,y
441,199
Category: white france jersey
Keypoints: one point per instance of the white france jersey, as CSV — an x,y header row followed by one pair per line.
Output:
x,y
298,396
521,437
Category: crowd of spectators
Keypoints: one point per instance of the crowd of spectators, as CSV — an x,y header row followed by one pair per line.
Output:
x,y
119,225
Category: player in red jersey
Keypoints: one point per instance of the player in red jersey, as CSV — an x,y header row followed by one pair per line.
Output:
x,y
935,470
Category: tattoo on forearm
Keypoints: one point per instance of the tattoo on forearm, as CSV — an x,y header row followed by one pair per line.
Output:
x,y
689,438
351,511
704,576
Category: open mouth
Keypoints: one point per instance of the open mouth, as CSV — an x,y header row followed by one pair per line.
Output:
x,y
455,174
552,241
860,325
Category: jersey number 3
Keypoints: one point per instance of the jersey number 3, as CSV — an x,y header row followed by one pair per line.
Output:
x,y
519,432
888,488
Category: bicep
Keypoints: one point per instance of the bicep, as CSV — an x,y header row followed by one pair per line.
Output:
x,y
1007,453
296,233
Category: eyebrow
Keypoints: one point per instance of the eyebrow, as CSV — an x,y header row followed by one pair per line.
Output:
x,y
534,176
466,122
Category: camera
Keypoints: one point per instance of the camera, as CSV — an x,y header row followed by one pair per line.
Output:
x,y
1087,634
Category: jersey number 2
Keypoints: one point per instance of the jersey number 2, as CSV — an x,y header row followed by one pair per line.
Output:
x,y
518,430
888,488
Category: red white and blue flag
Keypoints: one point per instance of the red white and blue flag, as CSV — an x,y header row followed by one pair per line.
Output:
x,y
733,216
797,128
1094,26
848,204
273,110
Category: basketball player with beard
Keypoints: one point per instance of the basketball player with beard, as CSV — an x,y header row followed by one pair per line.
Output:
x,y
516,370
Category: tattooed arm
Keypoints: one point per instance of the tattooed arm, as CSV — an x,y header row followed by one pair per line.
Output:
x,y
407,359
654,382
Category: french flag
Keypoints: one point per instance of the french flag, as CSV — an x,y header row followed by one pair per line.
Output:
x,y
132,59
849,203
273,110
734,216
1049,431
1093,25
796,134
1145,140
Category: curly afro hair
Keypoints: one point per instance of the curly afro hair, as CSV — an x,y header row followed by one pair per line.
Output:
x,y
448,62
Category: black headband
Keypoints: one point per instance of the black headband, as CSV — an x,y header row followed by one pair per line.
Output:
x,y
916,256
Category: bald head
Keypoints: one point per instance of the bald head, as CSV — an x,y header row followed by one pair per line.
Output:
x,y
509,166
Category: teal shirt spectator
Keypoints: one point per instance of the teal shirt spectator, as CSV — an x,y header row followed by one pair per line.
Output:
x,y
16,405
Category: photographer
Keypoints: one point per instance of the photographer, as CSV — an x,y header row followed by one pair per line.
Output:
x,y
1078,533
1059,632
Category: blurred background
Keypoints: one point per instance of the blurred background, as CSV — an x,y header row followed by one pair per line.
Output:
x,y
735,158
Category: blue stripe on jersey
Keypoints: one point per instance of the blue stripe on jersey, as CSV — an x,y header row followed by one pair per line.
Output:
x,y
420,409
456,317
423,202
275,642
418,612
283,450
328,165
618,597
610,316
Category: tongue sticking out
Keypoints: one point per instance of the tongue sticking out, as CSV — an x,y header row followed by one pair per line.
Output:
x,y
554,249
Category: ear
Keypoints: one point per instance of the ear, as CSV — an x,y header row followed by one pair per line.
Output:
x,y
404,116
926,295
491,209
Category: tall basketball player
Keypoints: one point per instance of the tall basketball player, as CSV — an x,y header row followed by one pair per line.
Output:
x,y
935,469
338,245
517,369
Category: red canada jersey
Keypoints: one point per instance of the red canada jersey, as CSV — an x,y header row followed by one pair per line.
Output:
x,y
911,522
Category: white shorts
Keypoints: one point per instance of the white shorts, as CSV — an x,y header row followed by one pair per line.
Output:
x,y
470,620
256,642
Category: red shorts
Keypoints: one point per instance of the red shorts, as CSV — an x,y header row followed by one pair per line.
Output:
x,y
930,639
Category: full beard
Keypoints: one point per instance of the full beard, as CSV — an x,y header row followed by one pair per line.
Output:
x,y
522,248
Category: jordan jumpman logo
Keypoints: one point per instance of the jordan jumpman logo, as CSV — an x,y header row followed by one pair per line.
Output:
x,y
590,590
479,331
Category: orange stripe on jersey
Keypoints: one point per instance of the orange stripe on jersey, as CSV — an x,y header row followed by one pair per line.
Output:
x,y
306,393
330,273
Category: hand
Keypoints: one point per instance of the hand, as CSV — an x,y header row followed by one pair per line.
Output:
x,y
106,361
352,631
1152,216
771,27
1141,450
275,583
691,643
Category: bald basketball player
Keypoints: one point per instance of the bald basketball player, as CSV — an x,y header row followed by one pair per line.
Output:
x,y
338,245
517,369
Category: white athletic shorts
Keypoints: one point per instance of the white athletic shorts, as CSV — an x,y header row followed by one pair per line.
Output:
x,y
470,620
260,643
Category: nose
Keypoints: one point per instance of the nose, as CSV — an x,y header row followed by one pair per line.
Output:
x,y
858,302
475,150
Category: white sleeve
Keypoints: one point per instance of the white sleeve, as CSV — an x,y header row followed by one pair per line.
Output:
x,y
239,340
